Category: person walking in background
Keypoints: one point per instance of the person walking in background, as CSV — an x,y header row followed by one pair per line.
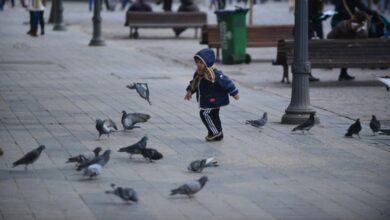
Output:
x,y
35,8
185,6
316,17
350,29
212,90
345,10
139,5
2,3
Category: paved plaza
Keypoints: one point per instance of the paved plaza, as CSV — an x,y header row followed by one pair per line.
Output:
x,y
53,87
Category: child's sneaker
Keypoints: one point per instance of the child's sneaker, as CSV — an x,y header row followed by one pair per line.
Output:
x,y
216,137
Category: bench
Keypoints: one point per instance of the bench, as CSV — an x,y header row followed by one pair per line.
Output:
x,y
165,20
340,53
257,35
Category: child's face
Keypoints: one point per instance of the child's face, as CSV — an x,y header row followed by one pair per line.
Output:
x,y
201,67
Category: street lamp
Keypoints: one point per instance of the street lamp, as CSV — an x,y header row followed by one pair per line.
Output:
x,y
299,109
97,39
59,25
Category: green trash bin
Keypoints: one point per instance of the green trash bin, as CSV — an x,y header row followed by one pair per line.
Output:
x,y
232,35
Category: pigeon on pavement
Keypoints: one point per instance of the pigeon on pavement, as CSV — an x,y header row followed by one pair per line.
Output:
x,y
93,170
101,160
307,125
85,157
105,126
259,122
190,188
375,125
130,119
30,157
355,128
199,165
126,194
142,89
151,154
135,148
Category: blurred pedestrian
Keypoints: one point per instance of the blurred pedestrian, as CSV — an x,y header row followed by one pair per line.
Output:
x,y
35,8
350,29
142,6
185,6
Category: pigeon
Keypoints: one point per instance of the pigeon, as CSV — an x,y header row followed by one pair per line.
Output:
x,y
85,157
151,154
126,194
93,170
199,165
307,125
190,188
355,128
259,123
375,125
135,148
142,89
105,126
101,160
130,119
30,157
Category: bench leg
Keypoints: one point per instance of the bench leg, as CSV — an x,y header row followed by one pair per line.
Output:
x,y
285,74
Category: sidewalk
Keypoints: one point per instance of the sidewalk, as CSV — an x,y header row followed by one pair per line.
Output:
x,y
52,88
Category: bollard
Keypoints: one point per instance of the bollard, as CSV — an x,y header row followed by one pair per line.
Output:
x,y
59,25
97,39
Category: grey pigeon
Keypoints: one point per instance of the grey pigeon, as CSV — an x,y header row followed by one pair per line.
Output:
x,y
101,160
259,122
30,157
93,170
135,148
355,128
199,165
151,154
85,157
106,126
126,194
130,119
142,89
190,188
375,125
307,125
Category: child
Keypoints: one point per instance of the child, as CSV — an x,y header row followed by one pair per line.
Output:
x,y
212,90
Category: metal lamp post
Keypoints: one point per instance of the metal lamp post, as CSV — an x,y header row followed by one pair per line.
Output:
x,y
97,39
59,23
299,109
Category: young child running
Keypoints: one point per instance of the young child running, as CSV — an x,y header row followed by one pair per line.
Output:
x,y
212,90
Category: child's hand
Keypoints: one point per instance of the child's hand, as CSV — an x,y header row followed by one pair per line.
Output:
x,y
188,96
237,96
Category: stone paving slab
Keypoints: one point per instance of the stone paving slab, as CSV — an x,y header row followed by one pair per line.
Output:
x,y
51,93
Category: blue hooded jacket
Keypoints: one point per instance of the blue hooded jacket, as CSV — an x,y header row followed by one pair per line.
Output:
x,y
212,94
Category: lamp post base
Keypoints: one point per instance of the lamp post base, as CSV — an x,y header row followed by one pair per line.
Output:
x,y
97,42
297,118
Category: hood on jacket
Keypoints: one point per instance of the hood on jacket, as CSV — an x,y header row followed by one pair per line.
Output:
x,y
207,56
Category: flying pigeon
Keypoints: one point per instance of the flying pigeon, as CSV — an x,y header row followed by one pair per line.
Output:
x,y
126,194
130,119
355,128
199,165
135,148
93,170
85,157
105,126
30,157
259,122
375,125
307,125
101,160
190,188
151,154
142,89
